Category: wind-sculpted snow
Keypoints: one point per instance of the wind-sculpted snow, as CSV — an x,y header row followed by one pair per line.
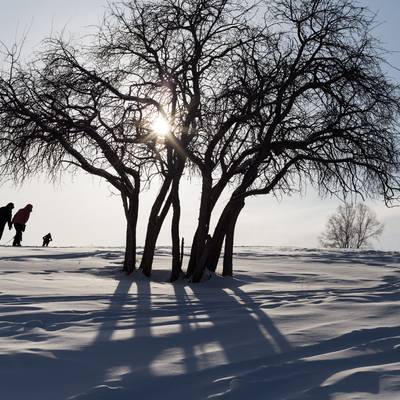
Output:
x,y
291,324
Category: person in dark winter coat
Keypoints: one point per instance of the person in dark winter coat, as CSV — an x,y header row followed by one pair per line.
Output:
x,y
5,217
19,220
46,240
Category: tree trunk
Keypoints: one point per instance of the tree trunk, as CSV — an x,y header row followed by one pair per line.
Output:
x,y
154,225
182,251
227,269
226,225
212,250
192,258
200,236
176,258
131,206
209,197
130,251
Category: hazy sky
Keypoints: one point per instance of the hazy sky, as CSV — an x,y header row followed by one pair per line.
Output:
x,y
81,210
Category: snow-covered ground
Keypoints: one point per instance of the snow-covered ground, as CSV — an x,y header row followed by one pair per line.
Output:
x,y
291,324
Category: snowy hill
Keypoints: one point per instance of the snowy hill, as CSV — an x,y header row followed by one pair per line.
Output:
x,y
291,324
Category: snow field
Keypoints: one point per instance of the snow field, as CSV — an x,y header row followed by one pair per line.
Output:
x,y
291,324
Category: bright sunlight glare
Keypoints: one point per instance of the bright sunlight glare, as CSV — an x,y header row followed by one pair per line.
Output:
x,y
160,126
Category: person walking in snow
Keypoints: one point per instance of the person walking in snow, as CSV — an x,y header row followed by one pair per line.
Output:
x,y
46,240
20,219
5,217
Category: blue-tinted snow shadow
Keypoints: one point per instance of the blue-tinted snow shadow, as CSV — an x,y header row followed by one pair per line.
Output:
x,y
186,323
192,323
202,314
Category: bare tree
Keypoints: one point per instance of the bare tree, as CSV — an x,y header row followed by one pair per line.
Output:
x,y
188,49
55,117
351,227
329,117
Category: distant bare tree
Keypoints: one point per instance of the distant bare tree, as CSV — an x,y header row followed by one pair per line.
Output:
x,y
351,227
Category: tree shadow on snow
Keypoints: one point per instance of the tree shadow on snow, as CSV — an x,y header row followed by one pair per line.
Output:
x,y
136,341
196,332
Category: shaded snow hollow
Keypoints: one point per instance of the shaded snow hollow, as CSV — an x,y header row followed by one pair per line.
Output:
x,y
292,324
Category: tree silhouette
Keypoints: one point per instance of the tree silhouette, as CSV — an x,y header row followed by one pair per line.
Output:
x,y
55,118
327,115
351,227
261,98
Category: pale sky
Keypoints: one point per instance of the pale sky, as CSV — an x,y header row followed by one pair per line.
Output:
x,y
81,210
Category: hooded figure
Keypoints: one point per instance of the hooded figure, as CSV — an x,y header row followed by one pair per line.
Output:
x,y
46,240
5,217
20,219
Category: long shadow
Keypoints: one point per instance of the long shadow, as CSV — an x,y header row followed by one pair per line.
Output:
x,y
143,356
113,314
263,320
198,339
136,342
184,302
61,370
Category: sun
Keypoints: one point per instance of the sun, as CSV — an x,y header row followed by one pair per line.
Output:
x,y
161,127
